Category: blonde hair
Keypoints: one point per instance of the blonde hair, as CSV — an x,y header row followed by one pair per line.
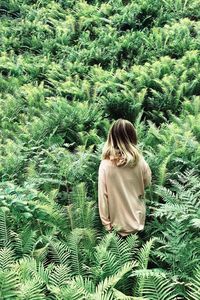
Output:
x,y
120,145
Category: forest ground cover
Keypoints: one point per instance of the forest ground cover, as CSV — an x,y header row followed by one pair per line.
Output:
x,y
67,70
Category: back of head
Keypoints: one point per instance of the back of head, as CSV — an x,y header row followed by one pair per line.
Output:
x,y
121,144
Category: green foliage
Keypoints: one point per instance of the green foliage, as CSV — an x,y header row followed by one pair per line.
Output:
x,y
9,285
67,70
194,287
175,223
68,266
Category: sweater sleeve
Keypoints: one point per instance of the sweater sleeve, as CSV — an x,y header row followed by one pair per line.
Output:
x,y
147,174
103,199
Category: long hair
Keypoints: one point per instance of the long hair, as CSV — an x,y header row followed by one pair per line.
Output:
x,y
120,145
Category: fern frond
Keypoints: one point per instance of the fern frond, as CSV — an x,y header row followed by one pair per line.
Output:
x,y
6,258
9,285
111,281
28,268
171,211
4,231
32,290
76,288
120,296
59,252
144,252
23,243
59,276
123,249
107,260
163,170
76,251
194,286
83,210
143,259
69,293
145,273
195,222
158,289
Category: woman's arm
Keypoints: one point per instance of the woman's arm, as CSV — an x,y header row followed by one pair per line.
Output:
x,y
147,174
103,199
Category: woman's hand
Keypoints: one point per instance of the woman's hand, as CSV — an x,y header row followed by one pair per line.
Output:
x,y
108,227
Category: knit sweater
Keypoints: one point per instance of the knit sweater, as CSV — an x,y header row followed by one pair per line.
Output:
x,y
121,195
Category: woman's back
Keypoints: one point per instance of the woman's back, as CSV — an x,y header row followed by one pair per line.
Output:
x,y
119,191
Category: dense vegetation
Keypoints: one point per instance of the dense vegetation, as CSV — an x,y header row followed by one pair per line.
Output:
x,y
68,68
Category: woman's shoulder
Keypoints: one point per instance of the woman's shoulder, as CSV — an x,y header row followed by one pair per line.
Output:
x,y
106,162
141,158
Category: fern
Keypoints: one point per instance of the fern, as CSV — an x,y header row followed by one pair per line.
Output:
x,y
6,258
123,250
4,231
111,281
59,253
163,170
24,242
82,287
67,68
158,289
179,211
28,268
31,290
76,251
194,286
143,259
120,296
59,276
143,255
83,209
9,285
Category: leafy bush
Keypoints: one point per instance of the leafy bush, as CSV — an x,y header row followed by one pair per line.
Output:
x,y
67,70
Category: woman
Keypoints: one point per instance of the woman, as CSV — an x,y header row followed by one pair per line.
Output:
x,y
122,177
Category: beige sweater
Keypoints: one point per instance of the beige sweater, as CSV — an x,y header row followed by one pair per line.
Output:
x,y
120,193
